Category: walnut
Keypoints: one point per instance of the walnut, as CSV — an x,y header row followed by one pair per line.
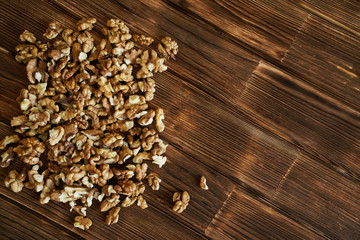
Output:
x,y
36,180
125,187
168,48
130,57
141,202
53,30
147,119
82,222
27,36
29,150
55,135
113,216
154,181
8,140
181,201
108,190
140,171
122,174
85,24
143,39
160,126
14,181
19,120
142,156
148,138
7,157
128,201
109,202
25,52
75,173
159,160
203,184
159,147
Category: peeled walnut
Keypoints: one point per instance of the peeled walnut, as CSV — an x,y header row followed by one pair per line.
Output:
x,y
160,126
113,216
181,201
128,201
27,36
143,39
109,202
55,135
147,119
85,24
168,48
159,160
153,181
82,222
203,183
8,140
14,181
36,180
140,171
53,30
141,202
7,157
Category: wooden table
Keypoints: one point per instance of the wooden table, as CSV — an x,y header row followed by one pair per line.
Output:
x,y
263,99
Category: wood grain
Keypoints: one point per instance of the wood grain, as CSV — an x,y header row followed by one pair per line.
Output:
x,y
345,13
247,218
200,126
263,97
321,125
323,198
329,59
17,222
266,26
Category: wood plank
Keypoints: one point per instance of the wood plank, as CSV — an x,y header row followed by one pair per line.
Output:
x,y
204,56
17,222
200,126
305,116
267,26
328,58
322,198
243,217
345,13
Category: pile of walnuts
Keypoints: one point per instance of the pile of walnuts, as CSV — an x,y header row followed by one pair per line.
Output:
x,y
86,129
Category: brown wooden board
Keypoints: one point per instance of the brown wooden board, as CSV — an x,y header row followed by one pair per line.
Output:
x,y
321,197
267,26
328,58
309,118
17,222
345,13
243,217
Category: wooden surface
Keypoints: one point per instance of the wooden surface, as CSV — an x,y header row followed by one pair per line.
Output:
x,y
263,99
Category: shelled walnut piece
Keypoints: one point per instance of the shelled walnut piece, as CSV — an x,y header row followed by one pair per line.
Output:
x,y
203,184
181,201
86,117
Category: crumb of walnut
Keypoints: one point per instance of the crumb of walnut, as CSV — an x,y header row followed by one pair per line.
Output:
x,y
168,47
109,202
154,181
141,202
14,181
27,36
7,157
160,126
53,30
113,216
82,222
144,40
8,140
85,24
203,184
181,201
